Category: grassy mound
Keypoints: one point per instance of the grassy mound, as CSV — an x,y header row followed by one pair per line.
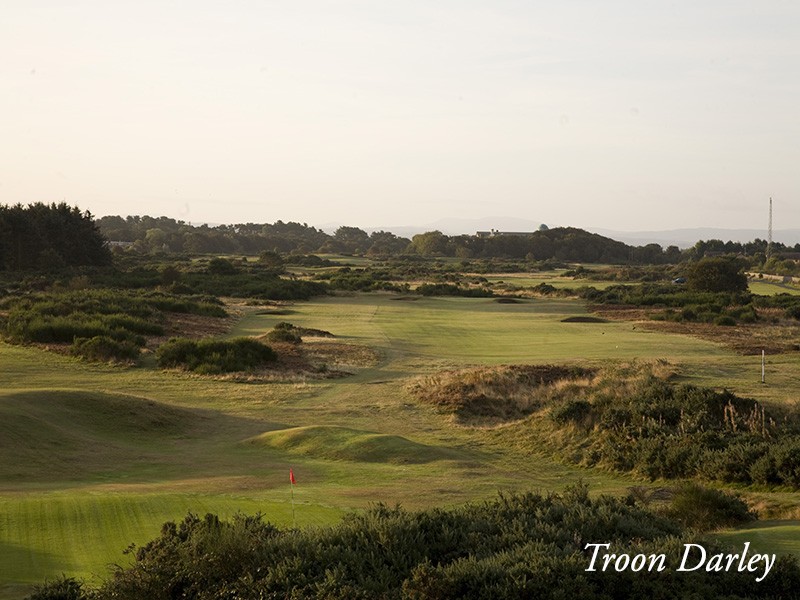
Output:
x,y
495,393
341,443
54,433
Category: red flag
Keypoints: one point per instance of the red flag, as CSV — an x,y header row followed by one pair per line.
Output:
x,y
291,477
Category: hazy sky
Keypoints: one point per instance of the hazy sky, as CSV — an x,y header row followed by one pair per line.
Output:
x,y
621,114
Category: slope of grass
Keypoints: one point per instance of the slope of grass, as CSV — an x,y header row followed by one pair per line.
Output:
x,y
68,434
342,443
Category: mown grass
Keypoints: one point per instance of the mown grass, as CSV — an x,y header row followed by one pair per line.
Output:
x,y
768,288
780,537
80,534
117,480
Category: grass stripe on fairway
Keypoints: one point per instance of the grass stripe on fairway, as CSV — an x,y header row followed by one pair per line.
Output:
x,y
79,533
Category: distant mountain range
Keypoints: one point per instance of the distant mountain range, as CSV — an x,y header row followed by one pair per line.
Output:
x,y
683,238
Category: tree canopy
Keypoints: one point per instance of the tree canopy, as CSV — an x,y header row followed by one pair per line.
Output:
x,y
717,275
49,236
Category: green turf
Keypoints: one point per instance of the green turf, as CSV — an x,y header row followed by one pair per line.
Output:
x,y
342,443
44,535
769,288
780,537
95,456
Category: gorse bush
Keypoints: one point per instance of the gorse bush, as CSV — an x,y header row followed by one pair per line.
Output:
x,y
680,303
707,509
214,356
449,289
658,430
104,348
517,546
62,588
100,324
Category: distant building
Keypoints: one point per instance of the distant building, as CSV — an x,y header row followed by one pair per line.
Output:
x,y
495,232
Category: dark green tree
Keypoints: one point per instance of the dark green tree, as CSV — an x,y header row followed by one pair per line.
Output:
x,y
717,275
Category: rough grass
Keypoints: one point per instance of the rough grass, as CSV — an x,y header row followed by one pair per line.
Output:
x,y
494,393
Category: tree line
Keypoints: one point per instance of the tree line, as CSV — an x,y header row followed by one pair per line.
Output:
x,y
162,234
52,236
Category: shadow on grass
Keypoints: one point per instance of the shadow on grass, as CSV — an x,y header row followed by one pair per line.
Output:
x,y
21,567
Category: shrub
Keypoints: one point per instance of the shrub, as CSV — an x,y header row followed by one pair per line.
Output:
x,y
214,356
707,509
449,289
104,348
576,412
284,335
63,588
221,266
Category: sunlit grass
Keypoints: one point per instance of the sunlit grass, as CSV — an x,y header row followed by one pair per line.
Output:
x,y
115,481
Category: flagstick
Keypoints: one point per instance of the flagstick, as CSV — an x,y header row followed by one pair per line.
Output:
x,y
294,523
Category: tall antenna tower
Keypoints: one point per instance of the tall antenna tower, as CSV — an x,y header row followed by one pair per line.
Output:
x,y
769,235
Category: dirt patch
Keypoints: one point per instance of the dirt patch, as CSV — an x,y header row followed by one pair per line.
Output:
x,y
485,395
508,301
406,298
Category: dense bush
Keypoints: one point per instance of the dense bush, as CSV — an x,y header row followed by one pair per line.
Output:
x,y
284,335
214,356
717,275
62,588
104,348
101,324
449,289
658,430
707,509
680,303
520,546
254,284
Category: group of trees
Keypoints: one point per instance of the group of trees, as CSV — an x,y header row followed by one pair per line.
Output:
x,y
162,234
567,244
148,234
49,236
41,236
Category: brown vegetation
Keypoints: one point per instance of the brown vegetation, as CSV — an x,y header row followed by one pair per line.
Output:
x,y
481,395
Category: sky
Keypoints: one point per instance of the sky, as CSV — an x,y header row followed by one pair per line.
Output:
x,y
627,115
